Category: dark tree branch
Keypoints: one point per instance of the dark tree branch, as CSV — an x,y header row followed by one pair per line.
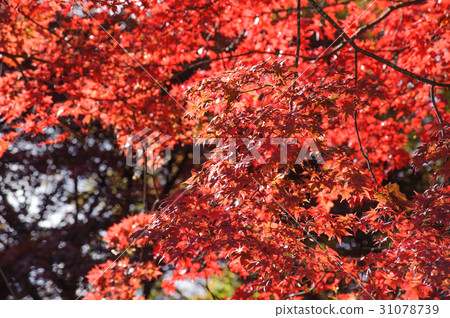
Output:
x,y
372,55
77,205
144,190
356,125
210,291
297,52
362,150
13,294
24,56
436,110
368,26
40,26
11,215
438,115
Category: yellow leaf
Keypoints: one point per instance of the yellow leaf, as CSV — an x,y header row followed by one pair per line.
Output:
x,y
394,190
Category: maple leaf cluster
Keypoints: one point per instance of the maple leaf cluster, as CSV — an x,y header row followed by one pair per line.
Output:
x,y
373,100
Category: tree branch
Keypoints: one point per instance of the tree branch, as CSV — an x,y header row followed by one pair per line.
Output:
x,y
13,294
24,56
362,150
438,115
356,125
210,291
436,110
372,55
366,27
40,26
297,52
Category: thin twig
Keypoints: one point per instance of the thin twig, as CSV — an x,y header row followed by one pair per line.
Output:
x,y
158,197
356,124
362,151
436,110
297,51
144,190
209,290
356,68
38,25
7,284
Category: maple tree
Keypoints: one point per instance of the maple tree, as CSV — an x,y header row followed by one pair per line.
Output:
x,y
367,81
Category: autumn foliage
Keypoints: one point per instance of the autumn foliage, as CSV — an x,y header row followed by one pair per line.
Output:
x,y
374,101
